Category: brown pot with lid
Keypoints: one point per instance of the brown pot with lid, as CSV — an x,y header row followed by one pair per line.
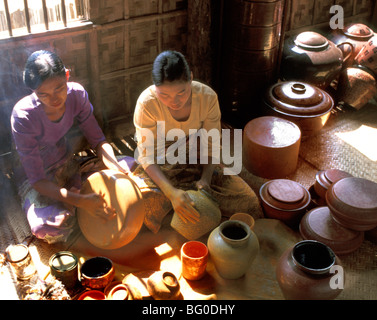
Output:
x,y
353,203
354,35
284,200
302,103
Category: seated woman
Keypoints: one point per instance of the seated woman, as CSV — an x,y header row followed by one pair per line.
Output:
x,y
48,177
175,101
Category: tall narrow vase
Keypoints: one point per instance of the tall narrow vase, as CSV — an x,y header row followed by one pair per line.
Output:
x,y
232,247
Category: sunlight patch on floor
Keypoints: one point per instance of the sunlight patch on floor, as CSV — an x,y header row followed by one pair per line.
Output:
x,y
364,139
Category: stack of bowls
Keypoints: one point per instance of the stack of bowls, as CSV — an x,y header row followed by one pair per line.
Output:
x,y
350,211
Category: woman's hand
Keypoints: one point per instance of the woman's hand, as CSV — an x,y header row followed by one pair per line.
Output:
x,y
184,206
95,204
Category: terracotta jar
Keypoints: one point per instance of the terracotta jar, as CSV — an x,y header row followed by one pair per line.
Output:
x,y
285,200
325,178
355,35
302,103
232,247
353,203
356,86
210,216
312,58
304,272
121,194
163,285
317,224
270,147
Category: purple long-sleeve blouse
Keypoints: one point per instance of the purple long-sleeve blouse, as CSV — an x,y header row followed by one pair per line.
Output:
x,y
40,142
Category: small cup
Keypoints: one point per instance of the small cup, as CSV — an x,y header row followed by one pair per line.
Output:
x,y
20,259
244,217
194,257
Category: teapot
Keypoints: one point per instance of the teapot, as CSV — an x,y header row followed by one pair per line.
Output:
x,y
312,58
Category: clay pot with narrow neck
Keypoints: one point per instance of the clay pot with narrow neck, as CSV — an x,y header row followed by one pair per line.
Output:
x,y
311,57
306,272
232,247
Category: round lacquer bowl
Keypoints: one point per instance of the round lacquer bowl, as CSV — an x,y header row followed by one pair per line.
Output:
x,y
285,200
353,203
318,224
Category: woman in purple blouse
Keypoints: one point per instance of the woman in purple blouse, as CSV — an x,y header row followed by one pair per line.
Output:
x,y
40,122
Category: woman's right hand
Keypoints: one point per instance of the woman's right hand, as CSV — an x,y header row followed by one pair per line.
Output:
x,y
184,206
95,204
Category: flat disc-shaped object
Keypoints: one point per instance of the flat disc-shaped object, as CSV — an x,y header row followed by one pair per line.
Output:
x,y
120,193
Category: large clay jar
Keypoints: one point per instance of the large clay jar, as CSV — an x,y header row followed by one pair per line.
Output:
x,y
232,247
311,57
305,272
210,216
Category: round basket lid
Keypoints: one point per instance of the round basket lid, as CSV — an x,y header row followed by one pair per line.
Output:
x,y
358,31
284,194
120,193
354,200
318,224
312,41
298,98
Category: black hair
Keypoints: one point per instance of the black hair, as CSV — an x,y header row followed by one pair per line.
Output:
x,y
40,66
170,66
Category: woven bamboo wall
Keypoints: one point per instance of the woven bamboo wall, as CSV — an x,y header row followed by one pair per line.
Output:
x,y
304,14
